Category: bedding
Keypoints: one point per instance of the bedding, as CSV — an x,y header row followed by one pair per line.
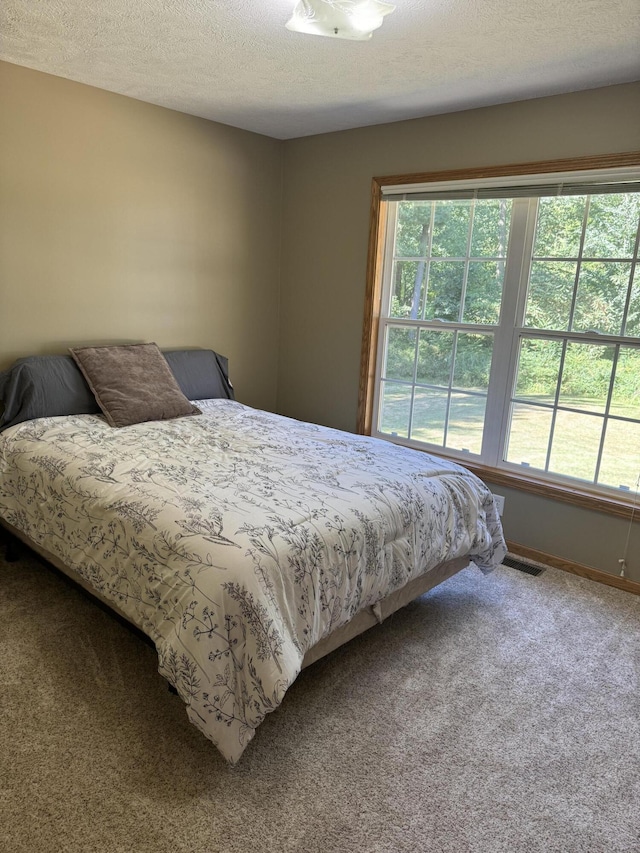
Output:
x,y
237,539
43,386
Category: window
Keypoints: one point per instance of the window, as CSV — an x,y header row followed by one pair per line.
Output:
x,y
509,324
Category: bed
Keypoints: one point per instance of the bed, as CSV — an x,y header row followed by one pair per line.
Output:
x,y
244,544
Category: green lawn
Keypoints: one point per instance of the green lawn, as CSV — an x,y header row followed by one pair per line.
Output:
x,y
576,436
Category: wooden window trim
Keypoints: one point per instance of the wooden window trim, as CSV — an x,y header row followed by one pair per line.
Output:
x,y
576,495
614,505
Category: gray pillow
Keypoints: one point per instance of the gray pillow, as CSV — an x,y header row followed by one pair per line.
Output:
x,y
202,374
43,386
132,383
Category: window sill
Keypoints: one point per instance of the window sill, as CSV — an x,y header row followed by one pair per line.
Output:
x,y
623,507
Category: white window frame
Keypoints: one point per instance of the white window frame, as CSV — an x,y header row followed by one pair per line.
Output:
x,y
510,328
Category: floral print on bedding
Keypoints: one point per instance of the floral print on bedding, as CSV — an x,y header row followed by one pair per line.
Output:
x,y
237,539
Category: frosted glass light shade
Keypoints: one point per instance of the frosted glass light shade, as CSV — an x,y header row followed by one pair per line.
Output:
x,y
343,19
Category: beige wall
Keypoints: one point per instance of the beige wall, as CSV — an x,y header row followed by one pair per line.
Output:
x,y
123,221
325,232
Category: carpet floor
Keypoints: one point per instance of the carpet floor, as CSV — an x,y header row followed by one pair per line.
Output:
x,y
496,714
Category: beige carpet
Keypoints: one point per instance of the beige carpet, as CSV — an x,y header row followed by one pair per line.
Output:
x,y
495,715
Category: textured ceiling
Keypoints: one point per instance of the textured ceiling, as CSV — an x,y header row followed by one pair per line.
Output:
x,y
234,62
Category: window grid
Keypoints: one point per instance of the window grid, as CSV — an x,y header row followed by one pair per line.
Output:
x,y
566,336
572,309
575,336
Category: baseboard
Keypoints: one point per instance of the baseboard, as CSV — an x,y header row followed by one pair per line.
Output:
x,y
574,568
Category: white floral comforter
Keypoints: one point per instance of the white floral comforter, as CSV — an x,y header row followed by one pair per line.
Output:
x,y
237,539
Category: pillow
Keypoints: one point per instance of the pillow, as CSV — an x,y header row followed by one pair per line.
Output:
x,y
202,374
132,383
42,386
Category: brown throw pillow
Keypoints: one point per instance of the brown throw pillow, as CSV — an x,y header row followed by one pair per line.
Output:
x,y
132,383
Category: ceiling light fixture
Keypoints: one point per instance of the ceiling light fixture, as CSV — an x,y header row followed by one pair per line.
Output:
x,y
342,19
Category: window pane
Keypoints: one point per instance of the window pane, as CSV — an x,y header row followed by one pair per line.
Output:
x,y
529,435
632,328
612,226
445,290
491,223
451,229
586,376
395,409
538,370
407,297
484,292
625,401
576,442
559,227
449,263
412,228
550,294
435,351
473,361
466,422
429,415
401,354
601,297
621,455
